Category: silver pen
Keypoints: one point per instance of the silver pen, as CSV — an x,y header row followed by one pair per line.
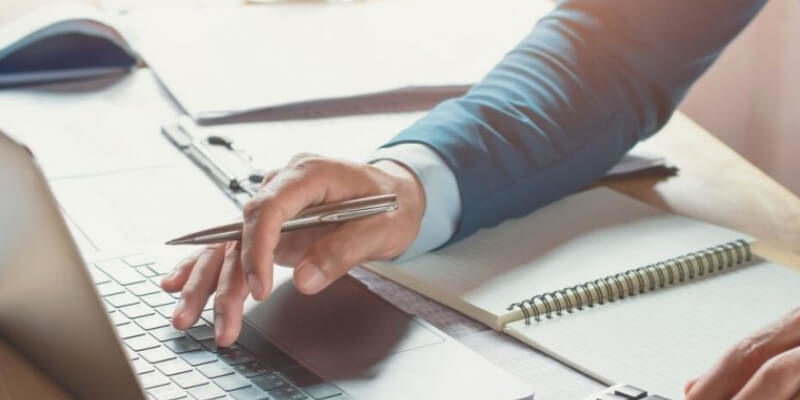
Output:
x,y
315,216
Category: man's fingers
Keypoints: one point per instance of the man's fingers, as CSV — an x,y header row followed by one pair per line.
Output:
x,y
281,198
737,367
334,254
293,245
689,385
304,183
230,297
175,280
198,287
776,379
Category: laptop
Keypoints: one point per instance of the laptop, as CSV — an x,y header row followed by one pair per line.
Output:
x,y
99,327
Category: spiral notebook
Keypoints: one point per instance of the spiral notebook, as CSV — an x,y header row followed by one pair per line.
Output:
x,y
613,287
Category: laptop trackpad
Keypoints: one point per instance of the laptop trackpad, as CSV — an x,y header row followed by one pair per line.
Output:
x,y
343,332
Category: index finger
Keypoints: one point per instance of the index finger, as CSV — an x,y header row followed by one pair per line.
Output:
x,y
307,181
281,199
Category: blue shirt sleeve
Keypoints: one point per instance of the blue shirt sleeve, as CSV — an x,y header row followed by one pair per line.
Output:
x,y
591,79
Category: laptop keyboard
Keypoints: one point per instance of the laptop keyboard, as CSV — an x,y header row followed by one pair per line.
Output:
x,y
173,364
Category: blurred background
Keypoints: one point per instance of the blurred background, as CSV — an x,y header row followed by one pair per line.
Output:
x,y
751,97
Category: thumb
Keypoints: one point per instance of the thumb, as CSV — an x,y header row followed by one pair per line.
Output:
x,y
335,253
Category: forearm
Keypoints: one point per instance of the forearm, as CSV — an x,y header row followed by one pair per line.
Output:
x,y
591,80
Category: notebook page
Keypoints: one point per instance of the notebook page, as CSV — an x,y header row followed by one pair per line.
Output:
x,y
661,340
583,237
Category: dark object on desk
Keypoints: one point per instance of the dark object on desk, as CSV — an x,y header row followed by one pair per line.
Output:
x,y
59,44
624,392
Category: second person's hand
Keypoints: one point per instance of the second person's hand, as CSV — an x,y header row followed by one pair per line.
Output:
x,y
319,255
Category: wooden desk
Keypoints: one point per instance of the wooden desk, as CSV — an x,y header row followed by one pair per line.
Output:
x,y
717,185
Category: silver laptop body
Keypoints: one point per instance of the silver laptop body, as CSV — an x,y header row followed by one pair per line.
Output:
x,y
98,329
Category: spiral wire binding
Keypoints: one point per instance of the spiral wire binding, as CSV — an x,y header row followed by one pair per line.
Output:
x,y
635,281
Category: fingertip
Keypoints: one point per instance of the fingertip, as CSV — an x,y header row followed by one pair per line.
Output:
x,y
224,334
689,385
180,317
168,284
256,286
309,279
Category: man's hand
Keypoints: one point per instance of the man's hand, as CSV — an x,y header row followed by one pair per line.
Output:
x,y
320,255
763,366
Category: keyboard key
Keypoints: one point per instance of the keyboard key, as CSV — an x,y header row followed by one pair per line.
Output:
x,y
157,354
121,300
173,367
146,272
251,369
322,391
311,383
158,299
234,356
97,276
269,381
118,319
201,332
136,311
199,357
231,382
152,322
146,287
210,345
630,392
182,345
129,330
249,393
655,397
109,288
141,366
287,393
206,392
208,316
132,355
138,260
275,358
167,392
120,272
189,379
153,379
215,369
140,343
166,310
167,333
162,268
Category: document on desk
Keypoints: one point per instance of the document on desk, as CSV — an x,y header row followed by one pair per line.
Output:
x,y
119,182
272,144
224,61
615,288
90,128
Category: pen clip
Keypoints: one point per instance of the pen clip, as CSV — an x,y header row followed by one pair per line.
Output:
x,y
357,213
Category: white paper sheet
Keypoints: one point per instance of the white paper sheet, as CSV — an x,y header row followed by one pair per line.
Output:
x,y
227,59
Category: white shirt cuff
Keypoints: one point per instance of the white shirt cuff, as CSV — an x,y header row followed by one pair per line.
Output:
x,y
442,200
